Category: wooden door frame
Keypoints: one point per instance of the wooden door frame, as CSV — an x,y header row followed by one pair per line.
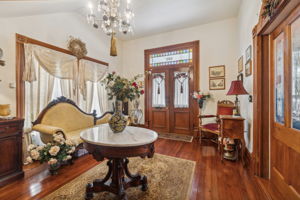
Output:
x,y
260,157
196,54
20,64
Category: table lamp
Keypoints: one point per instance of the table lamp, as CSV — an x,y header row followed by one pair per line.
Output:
x,y
237,88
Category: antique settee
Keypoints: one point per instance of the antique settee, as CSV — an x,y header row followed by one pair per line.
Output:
x,y
63,116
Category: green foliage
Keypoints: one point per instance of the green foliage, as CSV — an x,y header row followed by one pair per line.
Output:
x,y
122,89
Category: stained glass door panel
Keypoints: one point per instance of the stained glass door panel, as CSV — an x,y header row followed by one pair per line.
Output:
x,y
295,33
279,78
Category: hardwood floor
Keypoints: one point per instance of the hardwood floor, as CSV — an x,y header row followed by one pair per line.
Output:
x,y
213,180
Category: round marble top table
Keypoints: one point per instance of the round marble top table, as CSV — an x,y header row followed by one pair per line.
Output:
x,y
102,143
131,136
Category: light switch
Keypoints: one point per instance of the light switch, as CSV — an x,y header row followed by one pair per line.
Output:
x,y
12,85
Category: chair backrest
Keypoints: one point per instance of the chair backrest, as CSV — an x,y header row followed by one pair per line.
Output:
x,y
225,107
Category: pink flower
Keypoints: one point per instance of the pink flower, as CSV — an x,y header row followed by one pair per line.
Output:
x,y
142,91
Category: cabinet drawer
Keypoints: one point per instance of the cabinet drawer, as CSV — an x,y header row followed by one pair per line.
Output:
x,y
12,128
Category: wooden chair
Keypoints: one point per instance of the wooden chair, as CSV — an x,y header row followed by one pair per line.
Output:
x,y
224,107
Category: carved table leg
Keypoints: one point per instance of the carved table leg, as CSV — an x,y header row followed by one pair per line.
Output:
x,y
117,180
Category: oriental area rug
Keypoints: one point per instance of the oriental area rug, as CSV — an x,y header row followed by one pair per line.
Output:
x,y
178,137
169,178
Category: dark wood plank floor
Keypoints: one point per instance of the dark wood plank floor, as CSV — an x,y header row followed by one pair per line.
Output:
x,y
213,180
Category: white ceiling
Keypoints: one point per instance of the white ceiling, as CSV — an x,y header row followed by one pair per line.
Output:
x,y
151,16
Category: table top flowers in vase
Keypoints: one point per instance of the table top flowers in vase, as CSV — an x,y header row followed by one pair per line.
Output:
x,y
55,153
201,97
120,90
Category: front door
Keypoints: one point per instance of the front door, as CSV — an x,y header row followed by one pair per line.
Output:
x,y
285,106
170,82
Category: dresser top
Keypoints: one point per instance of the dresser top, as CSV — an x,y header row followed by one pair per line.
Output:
x,y
102,135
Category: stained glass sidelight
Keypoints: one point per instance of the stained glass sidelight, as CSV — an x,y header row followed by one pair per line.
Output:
x,y
158,90
171,58
279,78
295,30
181,89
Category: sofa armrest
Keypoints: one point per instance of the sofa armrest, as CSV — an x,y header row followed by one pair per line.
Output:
x,y
46,129
104,118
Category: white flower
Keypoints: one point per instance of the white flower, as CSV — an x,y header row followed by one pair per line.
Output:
x,y
34,154
39,148
54,150
59,138
68,157
71,150
52,161
69,142
29,159
30,147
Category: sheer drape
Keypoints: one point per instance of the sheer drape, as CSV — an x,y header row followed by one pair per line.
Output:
x,y
158,91
102,98
181,90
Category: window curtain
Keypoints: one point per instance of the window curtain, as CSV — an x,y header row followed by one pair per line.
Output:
x,y
181,90
45,68
158,91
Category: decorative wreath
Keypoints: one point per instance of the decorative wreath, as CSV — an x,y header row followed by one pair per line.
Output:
x,y
77,47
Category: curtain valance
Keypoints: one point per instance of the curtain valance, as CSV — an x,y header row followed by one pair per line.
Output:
x,y
62,66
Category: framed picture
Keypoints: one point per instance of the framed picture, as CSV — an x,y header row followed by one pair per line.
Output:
x,y
240,64
248,68
248,54
217,71
217,84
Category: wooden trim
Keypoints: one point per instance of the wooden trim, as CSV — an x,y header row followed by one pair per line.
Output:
x,y
23,39
20,62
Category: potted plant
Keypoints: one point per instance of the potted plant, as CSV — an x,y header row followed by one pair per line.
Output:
x,y
55,153
120,90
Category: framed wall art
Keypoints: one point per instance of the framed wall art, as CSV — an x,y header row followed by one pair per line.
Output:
x,y
217,71
248,54
240,65
217,84
248,68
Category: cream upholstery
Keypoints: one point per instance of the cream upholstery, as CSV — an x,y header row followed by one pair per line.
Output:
x,y
65,118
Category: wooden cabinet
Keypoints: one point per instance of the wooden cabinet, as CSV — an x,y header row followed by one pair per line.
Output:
x,y
233,127
11,150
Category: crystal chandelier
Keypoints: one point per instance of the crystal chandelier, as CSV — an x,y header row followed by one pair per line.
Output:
x,y
112,17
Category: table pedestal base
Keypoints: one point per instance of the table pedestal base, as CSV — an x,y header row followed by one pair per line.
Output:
x,y
117,180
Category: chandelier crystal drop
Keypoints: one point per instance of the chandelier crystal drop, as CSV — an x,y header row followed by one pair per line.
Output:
x,y
112,16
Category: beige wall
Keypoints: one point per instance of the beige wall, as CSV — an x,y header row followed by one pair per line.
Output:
x,y
247,19
51,28
218,46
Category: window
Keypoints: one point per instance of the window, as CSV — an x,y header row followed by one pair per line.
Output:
x,y
158,90
181,89
171,58
279,78
295,32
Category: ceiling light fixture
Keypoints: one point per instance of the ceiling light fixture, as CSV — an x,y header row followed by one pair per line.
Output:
x,y
112,17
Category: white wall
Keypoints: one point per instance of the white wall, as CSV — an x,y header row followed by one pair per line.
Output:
x,y
54,29
247,19
218,46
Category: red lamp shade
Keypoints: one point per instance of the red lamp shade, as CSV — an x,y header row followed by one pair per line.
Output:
x,y
237,88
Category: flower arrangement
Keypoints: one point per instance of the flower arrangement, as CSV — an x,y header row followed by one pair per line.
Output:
x,y
121,88
55,153
201,97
